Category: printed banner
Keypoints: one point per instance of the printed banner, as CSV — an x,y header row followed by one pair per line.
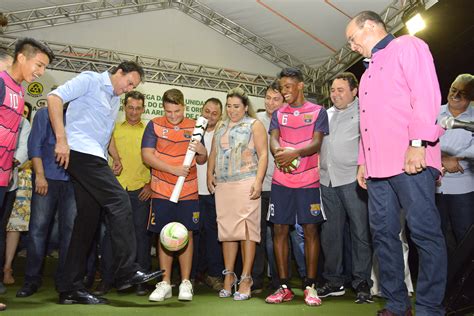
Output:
x,y
36,93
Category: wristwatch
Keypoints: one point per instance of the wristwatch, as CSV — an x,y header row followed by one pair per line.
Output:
x,y
417,143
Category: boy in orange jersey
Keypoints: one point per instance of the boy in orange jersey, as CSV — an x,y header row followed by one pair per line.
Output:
x,y
164,145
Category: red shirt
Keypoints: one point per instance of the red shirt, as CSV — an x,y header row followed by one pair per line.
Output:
x,y
11,111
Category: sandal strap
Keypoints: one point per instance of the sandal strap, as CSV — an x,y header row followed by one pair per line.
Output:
x,y
227,272
244,277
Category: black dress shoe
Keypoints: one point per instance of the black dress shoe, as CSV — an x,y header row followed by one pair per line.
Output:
x,y
80,297
142,289
137,278
88,281
102,288
26,290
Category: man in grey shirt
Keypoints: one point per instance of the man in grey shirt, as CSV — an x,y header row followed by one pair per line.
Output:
x,y
342,197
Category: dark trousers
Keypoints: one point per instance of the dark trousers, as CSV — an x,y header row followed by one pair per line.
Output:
x,y
3,192
209,248
140,211
59,199
458,210
96,187
5,212
346,201
416,195
259,263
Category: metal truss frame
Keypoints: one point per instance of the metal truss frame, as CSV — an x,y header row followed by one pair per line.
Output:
x,y
167,71
345,57
93,10
158,70
242,36
38,18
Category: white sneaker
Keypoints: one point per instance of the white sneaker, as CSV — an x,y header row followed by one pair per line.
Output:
x,y
185,291
162,292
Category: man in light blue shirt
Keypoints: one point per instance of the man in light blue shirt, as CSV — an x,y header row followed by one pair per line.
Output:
x,y
81,148
455,195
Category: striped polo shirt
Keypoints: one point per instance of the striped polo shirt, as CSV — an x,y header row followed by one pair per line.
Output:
x,y
297,126
171,143
12,103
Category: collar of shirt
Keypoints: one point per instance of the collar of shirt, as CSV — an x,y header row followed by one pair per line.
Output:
x,y
468,113
349,106
107,82
379,46
134,125
6,71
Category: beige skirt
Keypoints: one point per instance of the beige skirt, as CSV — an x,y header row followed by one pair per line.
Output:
x,y
236,213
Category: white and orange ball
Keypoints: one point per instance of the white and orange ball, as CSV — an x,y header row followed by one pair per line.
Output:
x,y
174,236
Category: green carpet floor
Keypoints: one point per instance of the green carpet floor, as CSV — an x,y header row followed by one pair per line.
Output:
x,y
205,302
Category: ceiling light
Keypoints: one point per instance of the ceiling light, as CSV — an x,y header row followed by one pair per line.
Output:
x,y
413,18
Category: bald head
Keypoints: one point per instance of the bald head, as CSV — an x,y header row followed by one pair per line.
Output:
x,y
364,31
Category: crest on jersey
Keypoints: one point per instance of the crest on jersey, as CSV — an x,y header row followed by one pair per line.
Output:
x,y
187,134
315,209
308,118
195,217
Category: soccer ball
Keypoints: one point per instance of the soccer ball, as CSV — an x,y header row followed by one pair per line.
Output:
x,y
174,236
294,164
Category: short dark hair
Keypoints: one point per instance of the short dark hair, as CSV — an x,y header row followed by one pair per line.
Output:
x,y
275,85
129,66
30,108
215,101
137,95
371,16
174,96
349,77
294,73
30,47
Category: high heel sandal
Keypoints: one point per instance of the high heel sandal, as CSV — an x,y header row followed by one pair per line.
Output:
x,y
224,293
242,296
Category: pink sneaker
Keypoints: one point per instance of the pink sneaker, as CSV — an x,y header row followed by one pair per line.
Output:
x,y
311,297
283,294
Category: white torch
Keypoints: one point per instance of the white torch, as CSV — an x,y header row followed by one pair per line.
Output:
x,y
198,133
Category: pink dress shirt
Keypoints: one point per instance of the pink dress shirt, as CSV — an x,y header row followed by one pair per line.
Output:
x,y
399,101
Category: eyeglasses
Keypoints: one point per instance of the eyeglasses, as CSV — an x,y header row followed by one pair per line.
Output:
x,y
350,40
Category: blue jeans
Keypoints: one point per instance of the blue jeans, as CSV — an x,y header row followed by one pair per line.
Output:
x,y
416,195
346,201
140,213
60,198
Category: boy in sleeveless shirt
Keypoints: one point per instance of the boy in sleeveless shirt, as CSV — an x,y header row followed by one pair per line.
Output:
x,y
29,63
164,145
296,132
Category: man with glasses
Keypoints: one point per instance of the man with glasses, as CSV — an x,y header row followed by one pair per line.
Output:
x,y
400,159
